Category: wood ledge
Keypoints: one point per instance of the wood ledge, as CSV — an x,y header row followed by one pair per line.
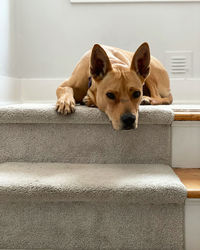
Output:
x,y
190,177
186,116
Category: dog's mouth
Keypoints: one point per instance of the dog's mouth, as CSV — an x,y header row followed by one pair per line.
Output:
x,y
128,127
121,126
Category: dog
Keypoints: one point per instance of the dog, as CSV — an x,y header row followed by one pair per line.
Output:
x,y
117,82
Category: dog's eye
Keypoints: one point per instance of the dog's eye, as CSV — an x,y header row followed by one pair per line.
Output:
x,y
136,94
110,95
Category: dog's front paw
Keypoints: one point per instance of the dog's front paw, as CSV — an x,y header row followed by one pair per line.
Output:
x,y
146,100
65,106
88,102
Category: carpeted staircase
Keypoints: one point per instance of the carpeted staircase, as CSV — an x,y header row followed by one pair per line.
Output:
x,y
72,182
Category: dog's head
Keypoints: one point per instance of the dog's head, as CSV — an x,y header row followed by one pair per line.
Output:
x,y
119,88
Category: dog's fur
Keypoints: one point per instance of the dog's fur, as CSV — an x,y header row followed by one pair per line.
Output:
x,y
121,81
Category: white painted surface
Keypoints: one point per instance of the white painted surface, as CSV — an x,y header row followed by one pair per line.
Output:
x,y
186,107
7,38
53,35
10,90
46,43
192,224
39,90
186,144
185,90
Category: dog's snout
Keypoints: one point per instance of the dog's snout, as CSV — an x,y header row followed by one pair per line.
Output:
x,y
128,120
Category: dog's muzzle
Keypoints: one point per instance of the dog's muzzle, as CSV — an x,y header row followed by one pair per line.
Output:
x,y
128,121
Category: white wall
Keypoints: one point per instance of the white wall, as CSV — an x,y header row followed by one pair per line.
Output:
x,y
9,86
8,65
42,40
4,37
53,34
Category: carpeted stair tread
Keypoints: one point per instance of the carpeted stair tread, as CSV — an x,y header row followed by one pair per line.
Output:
x,y
36,133
137,183
114,190
45,113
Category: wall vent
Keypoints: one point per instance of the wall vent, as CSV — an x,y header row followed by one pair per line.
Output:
x,y
179,63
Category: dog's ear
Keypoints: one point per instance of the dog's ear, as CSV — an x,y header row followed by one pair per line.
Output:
x,y
141,61
99,63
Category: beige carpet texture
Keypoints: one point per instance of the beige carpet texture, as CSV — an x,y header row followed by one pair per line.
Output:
x,y
73,183
36,133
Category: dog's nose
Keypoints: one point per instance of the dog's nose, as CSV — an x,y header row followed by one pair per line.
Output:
x,y
128,120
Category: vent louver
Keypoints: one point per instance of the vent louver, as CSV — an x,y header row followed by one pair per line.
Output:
x,y
179,63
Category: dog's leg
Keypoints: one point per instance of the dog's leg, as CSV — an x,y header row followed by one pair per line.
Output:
x,y
155,97
74,89
70,92
65,98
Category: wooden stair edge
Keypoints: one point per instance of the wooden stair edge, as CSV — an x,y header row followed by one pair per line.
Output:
x,y
190,177
186,116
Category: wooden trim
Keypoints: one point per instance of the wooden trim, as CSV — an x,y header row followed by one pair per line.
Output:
x,y
186,116
190,177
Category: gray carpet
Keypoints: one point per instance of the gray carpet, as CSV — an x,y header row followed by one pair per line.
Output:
x,y
45,113
36,133
74,206
74,183
142,184
91,226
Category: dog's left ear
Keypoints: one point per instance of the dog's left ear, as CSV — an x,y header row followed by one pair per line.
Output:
x,y
141,61
99,63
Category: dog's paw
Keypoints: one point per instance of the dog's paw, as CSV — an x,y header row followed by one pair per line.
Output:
x,y
65,106
146,100
88,102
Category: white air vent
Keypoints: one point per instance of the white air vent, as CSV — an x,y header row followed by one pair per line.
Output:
x,y
179,63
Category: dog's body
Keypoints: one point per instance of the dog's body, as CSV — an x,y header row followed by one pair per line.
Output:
x,y
120,81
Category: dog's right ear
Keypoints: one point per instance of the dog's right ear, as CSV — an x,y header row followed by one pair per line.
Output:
x,y
141,61
99,63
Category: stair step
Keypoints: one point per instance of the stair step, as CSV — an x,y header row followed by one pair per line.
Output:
x,y
75,206
186,112
45,113
36,133
190,177
187,116
138,183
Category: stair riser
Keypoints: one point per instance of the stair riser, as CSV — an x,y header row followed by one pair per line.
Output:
x,y
89,143
90,225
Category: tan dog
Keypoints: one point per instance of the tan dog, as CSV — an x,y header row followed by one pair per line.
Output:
x,y
120,81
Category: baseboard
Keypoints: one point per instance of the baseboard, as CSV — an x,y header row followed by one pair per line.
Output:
x,y
185,91
39,90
